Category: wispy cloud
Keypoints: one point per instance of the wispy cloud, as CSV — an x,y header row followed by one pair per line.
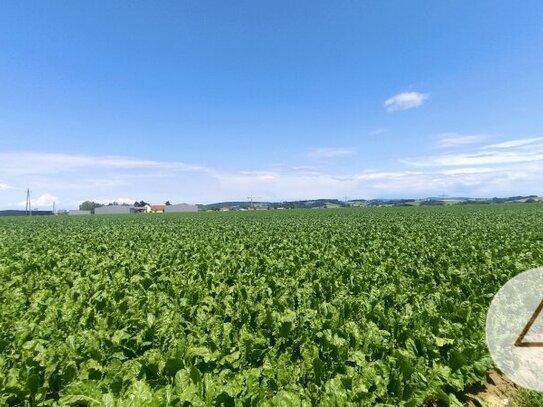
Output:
x,y
508,168
452,140
5,186
376,132
405,100
469,170
516,143
51,163
330,152
509,152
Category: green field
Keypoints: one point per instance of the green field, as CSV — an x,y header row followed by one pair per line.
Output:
x,y
382,306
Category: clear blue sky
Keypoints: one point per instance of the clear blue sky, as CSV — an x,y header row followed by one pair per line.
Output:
x,y
203,101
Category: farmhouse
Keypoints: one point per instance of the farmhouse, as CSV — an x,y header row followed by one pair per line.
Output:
x,y
155,208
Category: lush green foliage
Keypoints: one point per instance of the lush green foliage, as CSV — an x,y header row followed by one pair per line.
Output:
x,y
380,306
526,398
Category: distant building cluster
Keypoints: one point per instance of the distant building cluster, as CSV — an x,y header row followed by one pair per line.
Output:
x,y
128,209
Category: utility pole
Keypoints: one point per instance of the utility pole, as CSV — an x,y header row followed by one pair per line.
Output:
x,y
54,205
28,206
251,201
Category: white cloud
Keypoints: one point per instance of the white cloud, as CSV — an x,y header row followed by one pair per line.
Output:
x,y
451,140
5,186
120,201
510,152
44,200
330,152
405,100
508,168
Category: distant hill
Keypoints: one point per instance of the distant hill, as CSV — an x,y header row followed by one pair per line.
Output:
x,y
244,205
336,203
16,212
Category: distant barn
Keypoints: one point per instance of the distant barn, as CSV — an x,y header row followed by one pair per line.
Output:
x,y
181,208
116,210
79,212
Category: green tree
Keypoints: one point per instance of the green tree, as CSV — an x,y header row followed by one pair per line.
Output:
x,y
89,205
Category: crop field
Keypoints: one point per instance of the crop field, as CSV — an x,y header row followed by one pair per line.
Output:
x,y
382,306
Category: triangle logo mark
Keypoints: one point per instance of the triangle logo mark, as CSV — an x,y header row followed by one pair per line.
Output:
x,y
520,340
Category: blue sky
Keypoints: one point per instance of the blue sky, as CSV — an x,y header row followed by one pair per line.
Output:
x,y
202,101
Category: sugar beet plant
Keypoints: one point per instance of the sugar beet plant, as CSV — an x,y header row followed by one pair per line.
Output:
x,y
378,306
